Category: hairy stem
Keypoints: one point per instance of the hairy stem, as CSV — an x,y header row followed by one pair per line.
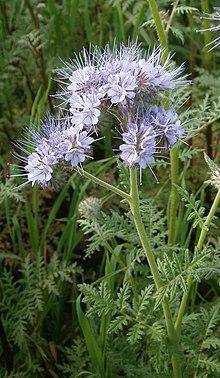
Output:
x,y
174,160
133,199
199,247
135,208
107,186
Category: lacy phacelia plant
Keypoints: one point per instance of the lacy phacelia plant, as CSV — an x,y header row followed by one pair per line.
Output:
x,y
126,82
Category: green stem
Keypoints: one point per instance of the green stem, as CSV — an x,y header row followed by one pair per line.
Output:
x,y
208,221
133,200
199,246
107,186
174,161
135,208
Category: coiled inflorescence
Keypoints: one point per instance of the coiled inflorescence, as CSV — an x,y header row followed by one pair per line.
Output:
x,y
110,78
120,81
58,142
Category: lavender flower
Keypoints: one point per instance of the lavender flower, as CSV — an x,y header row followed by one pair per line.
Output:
x,y
166,124
58,142
121,87
154,75
47,146
39,169
85,109
82,80
122,79
114,78
139,145
79,146
115,60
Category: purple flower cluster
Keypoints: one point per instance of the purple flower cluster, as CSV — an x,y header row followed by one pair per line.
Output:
x,y
166,124
120,81
156,127
139,144
107,78
56,143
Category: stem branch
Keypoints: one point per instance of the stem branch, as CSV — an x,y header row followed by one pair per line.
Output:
x,y
174,152
107,186
199,248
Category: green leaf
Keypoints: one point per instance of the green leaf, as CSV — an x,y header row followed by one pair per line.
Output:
x,y
90,339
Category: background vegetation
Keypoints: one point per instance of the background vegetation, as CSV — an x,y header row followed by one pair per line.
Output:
x,y
73,303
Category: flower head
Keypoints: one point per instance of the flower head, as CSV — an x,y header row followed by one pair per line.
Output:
x,y
85,109
57,143
139,145
79,144
166,124
119,77
43,150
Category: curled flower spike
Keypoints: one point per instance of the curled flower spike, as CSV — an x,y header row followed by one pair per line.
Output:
x,y
166,124
56,144
118,77
156,127
90,208
153,75
139,145
215,17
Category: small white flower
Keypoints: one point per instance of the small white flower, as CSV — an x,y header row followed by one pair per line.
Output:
x,y
81,79
79,145
120,87
85,109
129,154
38,168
